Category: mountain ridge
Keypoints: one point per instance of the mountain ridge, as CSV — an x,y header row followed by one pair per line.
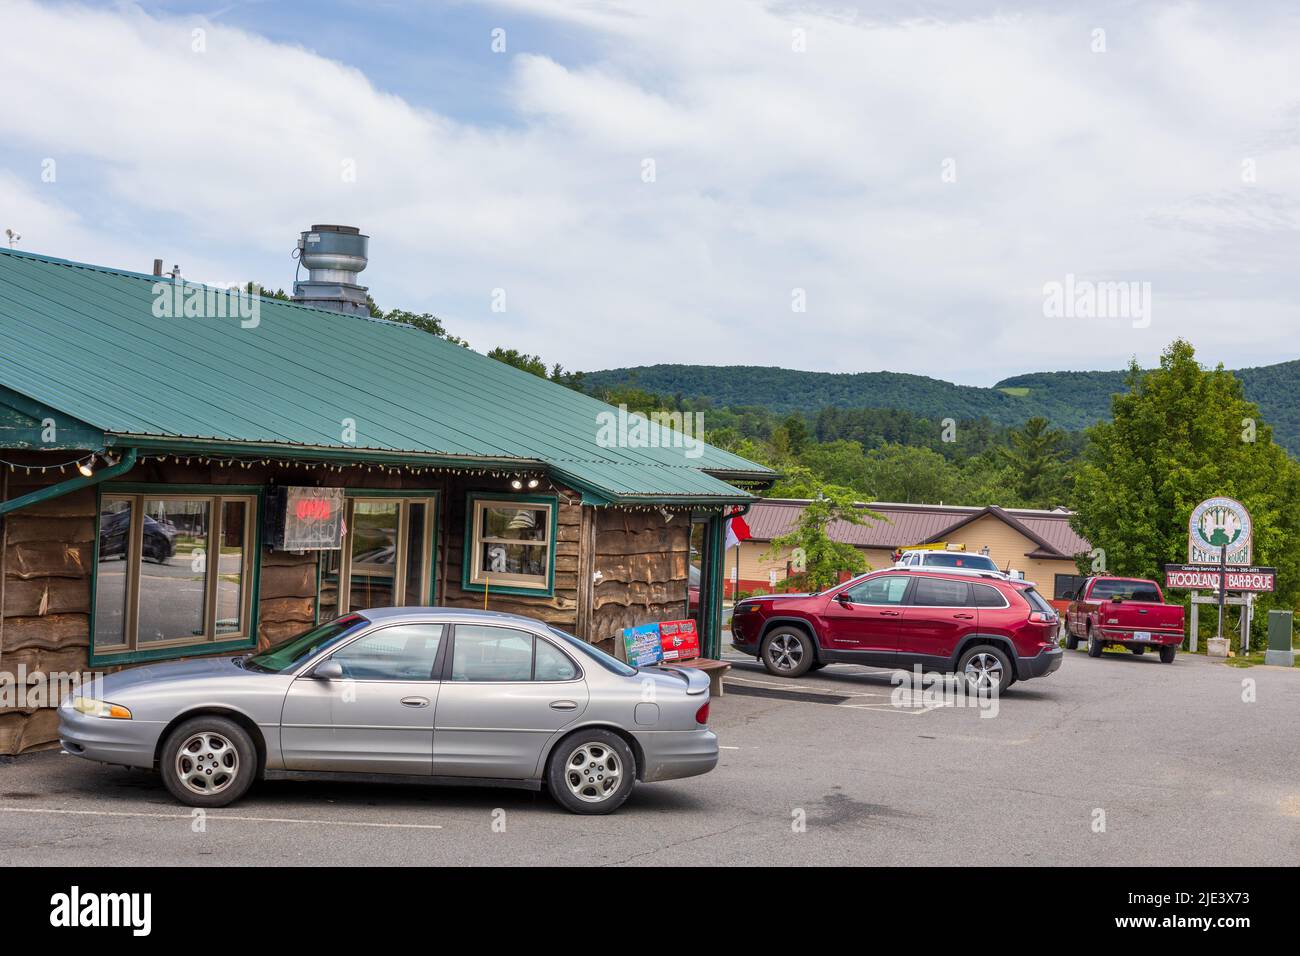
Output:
x,y
1069,399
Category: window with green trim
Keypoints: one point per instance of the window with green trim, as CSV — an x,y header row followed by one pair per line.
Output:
x,y
174,570
510,543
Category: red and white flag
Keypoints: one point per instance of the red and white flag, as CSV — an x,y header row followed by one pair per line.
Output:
x,y
737,531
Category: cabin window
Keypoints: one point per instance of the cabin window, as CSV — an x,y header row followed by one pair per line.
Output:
x,y
510,544
172,571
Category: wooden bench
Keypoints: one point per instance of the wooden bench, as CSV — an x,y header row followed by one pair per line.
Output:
x,y
713,670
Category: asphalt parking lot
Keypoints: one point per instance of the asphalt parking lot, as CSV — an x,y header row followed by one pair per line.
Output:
x,y
1184,770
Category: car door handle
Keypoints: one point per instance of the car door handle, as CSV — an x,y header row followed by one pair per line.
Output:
x,y
564,705
964,617
889,614
415,702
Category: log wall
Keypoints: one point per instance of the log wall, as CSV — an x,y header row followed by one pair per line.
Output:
x,y
642,565
47,553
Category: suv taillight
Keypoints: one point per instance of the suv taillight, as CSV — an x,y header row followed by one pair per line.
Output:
x,y
1041,617
702,715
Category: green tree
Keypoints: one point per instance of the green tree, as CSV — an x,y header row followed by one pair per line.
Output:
x,y
1033,454
532,364
817,559
1179,435
904,473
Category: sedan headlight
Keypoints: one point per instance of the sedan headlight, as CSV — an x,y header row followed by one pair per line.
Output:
x,y
93,707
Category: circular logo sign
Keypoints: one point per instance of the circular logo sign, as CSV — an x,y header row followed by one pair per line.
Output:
x,y
1216,523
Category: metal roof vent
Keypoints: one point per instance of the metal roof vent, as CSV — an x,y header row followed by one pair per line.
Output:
x,y
333,255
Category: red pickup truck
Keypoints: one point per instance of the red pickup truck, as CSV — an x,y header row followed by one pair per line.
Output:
x,y
1127,611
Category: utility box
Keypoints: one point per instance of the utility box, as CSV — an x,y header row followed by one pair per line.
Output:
x,y
1279,639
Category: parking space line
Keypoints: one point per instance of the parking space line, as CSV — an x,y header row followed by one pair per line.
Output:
x,y
222,816
766,683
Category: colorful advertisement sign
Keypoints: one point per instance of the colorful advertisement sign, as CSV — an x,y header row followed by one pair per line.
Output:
x,y
1205,577
1217,522
679,640
642,645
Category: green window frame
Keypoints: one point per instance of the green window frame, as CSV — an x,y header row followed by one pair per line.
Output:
x,y
339,580
474,577
129,539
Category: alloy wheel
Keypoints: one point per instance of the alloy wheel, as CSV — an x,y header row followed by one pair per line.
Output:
x,y
785,652
984,672
593,772
207,763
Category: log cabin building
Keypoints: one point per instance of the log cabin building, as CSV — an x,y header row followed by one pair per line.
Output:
x,y
180,479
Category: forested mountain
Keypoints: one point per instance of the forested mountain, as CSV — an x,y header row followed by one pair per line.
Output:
x,y
1070,400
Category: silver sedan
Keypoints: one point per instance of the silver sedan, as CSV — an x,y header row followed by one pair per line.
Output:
x,y
437,694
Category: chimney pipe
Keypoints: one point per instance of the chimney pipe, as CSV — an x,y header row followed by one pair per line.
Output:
x,y
334,257
157,268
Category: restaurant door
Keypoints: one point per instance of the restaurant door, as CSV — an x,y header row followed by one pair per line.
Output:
x,y
387,558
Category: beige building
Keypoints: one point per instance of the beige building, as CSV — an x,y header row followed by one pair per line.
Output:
x,y
1039,543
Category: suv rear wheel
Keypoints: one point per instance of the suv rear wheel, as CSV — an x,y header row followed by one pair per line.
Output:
x,y
986,667
787,652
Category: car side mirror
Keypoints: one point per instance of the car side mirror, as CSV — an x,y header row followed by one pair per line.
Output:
x,y
328,670
844,599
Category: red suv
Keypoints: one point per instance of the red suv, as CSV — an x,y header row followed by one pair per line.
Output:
x,y
993,630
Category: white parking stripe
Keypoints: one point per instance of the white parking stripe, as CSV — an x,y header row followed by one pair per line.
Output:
x,y
779,685
223,816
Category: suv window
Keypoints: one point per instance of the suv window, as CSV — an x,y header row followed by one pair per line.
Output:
x,y
986,595
401,652
884,590
1037,601
936,592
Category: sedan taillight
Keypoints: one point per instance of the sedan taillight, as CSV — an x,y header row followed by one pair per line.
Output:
x,y
702,715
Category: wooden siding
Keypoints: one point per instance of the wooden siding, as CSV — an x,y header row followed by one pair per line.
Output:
x,y
47,556
642,563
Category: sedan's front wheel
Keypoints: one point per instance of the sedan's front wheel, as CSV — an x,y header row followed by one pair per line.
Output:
x,y
591,771
208,762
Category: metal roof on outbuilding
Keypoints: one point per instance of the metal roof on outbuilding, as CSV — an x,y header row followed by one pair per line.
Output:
x,y
84,340
901,525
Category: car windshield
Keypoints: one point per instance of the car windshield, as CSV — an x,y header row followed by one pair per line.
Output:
x,y
944,559
596,654
286,654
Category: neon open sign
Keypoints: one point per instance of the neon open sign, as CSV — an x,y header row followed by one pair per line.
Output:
x,y
305,519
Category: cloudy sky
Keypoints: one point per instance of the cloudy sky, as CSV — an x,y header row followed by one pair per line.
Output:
x,y
653,181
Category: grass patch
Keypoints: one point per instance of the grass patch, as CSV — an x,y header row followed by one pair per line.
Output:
x,y
1017,391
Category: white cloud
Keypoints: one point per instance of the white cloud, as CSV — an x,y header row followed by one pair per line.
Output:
x,y
775,170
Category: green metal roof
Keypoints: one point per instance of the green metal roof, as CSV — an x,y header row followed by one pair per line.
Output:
x,y
84,340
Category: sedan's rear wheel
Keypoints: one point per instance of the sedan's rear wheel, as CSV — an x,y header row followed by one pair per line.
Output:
x,y
591,771
208,762
787,652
